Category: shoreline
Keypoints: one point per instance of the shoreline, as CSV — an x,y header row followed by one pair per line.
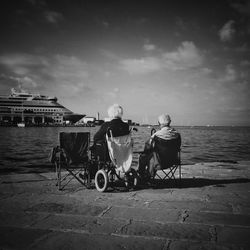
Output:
x,y
209,210
49,167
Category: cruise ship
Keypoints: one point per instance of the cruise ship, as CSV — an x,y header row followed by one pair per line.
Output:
x,y
21,106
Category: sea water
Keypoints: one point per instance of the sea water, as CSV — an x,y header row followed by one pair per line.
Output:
x,y
29,147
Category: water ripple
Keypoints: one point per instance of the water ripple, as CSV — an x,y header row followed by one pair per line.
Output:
x,y
31,146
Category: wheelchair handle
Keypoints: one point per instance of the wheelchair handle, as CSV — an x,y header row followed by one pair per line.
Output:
x,y
153,130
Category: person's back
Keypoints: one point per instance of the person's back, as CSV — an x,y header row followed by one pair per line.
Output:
x,y
116,125
166,151
166,133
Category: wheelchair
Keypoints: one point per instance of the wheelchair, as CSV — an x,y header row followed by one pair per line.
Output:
x,y
113,160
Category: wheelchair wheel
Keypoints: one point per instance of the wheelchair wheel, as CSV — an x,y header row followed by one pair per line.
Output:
x,y
101,180
131,179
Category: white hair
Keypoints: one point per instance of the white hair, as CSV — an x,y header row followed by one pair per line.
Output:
x,y
115,111
164,119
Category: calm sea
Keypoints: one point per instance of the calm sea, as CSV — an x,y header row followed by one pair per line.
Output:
x,y
27,148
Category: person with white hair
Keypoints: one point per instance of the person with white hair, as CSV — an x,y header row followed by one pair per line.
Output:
x,y
166,132
116,125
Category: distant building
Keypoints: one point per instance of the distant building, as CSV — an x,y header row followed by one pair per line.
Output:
x,y
87,119
107,119
128,121
99,122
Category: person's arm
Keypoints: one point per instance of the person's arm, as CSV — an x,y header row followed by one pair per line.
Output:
x,y
128,129
158,132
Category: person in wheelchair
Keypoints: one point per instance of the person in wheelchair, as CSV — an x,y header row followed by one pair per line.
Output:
x,y
116,125
166,132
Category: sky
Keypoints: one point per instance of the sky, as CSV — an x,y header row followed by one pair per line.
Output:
x,y
188,59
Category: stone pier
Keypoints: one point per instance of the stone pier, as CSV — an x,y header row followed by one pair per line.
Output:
x,y
209,210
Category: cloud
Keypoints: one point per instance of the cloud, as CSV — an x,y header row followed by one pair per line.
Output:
x,y
113,94
187,56
230,74
44,13
242,7
68,67
149,47
226,33
53,17
27,82
67,73
189,85
245,63
206,71
22,64
13,60
105,24
39,3
141,66
180,23
20,82
243,48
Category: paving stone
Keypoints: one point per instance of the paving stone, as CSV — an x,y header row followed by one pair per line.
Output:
x,y
192,245
236,235
53,207
20,219
140,214
190,205
81,223
218,218
168,231
20,238
19,178
76,241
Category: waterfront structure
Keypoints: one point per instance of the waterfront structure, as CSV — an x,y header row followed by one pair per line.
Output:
x,y
107,119
86,119
21,106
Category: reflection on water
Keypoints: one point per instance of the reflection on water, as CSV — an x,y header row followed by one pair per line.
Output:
x,y
31,146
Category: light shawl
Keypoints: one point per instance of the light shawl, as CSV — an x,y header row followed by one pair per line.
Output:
x,y
121,151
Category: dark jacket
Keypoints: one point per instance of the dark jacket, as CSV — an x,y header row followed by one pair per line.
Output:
x,y
117,126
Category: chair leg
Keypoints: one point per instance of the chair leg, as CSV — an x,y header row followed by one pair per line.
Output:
x,y
180,172
56,166
76,177
180,175
59,176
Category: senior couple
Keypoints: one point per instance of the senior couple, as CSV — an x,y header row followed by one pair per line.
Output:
x,y
120,128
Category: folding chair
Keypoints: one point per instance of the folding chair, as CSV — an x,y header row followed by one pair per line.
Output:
x,y
166,157
73,158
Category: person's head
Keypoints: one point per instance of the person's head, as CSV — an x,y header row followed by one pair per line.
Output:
x,y
115,111
164,120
